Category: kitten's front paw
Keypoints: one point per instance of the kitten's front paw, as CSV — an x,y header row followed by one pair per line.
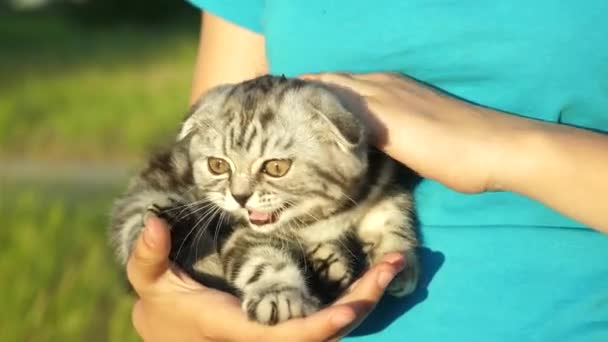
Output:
x,y
272,306
332,266
158,208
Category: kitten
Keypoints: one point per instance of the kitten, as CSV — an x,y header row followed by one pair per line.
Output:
x,y
273,194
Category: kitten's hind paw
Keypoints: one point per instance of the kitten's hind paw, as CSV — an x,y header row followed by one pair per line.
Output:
x,y
405,282
271,306
402,285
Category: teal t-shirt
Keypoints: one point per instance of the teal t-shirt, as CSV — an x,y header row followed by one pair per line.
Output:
x,y
497,266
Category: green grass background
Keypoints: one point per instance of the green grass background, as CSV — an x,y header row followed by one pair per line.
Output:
x,y
59,280
71,93
74,92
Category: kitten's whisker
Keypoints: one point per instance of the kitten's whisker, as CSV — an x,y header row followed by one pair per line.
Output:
x,y
305,213
347,249
218,226
179,249
348,198
196,206
339,240
183,206
201,232
283,241
297,239
192,230
192,211
185,212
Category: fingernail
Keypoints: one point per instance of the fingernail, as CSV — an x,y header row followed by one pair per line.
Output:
x,y
395,259
148,236
342,319
148,215
385,278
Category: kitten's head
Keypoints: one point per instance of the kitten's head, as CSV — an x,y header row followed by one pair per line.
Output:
x,y
276,152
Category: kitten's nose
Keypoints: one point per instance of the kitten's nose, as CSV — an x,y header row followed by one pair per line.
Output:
x,y
241,198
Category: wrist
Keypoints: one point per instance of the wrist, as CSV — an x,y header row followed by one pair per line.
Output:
x,y
523,145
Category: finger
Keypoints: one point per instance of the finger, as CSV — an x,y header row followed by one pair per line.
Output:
x,y
149,259
369,289
353,82
137,318
395,259
383,77
319,75
181,279
320,326
343,316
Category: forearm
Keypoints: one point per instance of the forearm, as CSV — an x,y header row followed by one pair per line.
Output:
x,y
563,167
473,149
226,54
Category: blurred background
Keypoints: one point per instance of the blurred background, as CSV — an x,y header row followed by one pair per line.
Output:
x,y
87,87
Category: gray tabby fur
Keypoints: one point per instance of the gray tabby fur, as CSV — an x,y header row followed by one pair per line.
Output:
x,y
339,206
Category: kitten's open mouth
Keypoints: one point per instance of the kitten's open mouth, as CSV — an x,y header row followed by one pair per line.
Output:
x,y
260,218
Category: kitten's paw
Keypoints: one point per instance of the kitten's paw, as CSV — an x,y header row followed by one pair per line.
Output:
x,y
332,266
272,306
151,211
158,207
166,208
402,285
405,282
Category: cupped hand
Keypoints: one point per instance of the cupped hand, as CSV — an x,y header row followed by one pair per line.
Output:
x,y
173,307
454,142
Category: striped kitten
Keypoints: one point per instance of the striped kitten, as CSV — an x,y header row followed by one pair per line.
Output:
x,y
273,194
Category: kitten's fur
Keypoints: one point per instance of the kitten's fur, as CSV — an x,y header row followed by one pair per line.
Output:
x,y
337,209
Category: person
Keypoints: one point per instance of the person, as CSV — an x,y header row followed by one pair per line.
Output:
x,y
502,107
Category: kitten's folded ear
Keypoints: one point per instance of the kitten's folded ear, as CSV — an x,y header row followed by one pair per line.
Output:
x,y
346,128
204,109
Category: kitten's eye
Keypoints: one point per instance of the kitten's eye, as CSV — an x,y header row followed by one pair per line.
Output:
x,y
276,167
218,166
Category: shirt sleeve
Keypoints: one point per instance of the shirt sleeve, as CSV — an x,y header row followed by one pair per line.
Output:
x,y
244,13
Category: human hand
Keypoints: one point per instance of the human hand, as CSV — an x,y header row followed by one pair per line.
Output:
x,y
173,307
438,136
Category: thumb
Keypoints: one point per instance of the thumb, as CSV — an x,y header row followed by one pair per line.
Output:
x,y
149,259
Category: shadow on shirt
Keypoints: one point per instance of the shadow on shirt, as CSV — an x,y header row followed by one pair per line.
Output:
x,y
391,308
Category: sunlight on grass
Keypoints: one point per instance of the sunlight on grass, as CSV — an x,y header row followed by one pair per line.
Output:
x,y
64,284
90,94
73,93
